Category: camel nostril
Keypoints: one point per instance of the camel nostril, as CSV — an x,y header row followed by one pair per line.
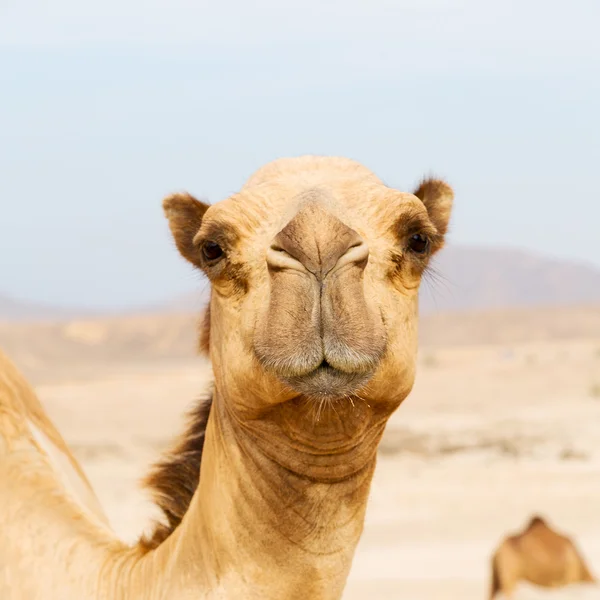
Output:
x,y
357,254
279,259
318,240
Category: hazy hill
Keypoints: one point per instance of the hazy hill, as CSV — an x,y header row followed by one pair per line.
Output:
x,y
467,278
12,309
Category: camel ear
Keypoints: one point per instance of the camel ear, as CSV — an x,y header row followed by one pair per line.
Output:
x,y
437,196
185,215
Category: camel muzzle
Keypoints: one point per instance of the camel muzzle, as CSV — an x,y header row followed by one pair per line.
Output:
x,y
319,334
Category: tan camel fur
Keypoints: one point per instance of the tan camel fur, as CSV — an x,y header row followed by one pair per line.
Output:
x,y
315,267
538,555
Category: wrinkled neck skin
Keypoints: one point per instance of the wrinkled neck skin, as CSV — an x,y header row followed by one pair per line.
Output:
x,y
280,505
277,514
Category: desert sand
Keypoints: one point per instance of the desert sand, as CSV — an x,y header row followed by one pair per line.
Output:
x,y
492,433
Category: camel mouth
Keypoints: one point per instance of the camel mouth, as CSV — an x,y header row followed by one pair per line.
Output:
x,y
327,381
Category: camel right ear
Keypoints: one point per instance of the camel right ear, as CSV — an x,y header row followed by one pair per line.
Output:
x,y
438,197
185,215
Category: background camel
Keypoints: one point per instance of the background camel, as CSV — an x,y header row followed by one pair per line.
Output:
x,y
315,268
540,556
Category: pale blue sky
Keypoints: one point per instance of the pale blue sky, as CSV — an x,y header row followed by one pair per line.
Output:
x,y
107,106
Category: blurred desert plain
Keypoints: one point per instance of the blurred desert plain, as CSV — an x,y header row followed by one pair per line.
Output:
x,y
504,421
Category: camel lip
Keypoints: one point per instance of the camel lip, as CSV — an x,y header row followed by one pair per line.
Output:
x,y
325,366
327,381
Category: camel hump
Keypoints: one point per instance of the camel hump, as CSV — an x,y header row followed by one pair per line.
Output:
x,y
537,520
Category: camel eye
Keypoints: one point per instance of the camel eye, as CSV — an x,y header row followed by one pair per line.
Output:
x,y
211,251
418,243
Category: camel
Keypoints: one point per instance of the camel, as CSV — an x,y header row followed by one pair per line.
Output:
x,y
538,555
311,329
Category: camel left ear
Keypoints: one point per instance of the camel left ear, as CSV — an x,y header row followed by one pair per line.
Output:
x,y
437,196
185,215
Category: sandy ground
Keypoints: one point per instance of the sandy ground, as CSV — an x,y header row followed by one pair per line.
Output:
x,y
489,436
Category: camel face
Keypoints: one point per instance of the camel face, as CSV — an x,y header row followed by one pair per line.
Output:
x,y
315,268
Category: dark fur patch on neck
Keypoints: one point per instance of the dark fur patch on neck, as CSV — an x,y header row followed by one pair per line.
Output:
x,y
174,479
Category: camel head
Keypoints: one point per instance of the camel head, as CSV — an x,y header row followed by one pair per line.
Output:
x,y
315,268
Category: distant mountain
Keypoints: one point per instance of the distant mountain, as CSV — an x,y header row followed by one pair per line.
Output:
x,y
480,278
12,309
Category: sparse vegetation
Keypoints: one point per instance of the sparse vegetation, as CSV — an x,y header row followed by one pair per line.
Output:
x,y
572,454
431,361
405,441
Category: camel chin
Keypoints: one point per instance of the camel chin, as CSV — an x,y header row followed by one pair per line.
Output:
x,y
327,383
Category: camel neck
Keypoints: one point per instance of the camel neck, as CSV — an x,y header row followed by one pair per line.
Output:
x,y
265,522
